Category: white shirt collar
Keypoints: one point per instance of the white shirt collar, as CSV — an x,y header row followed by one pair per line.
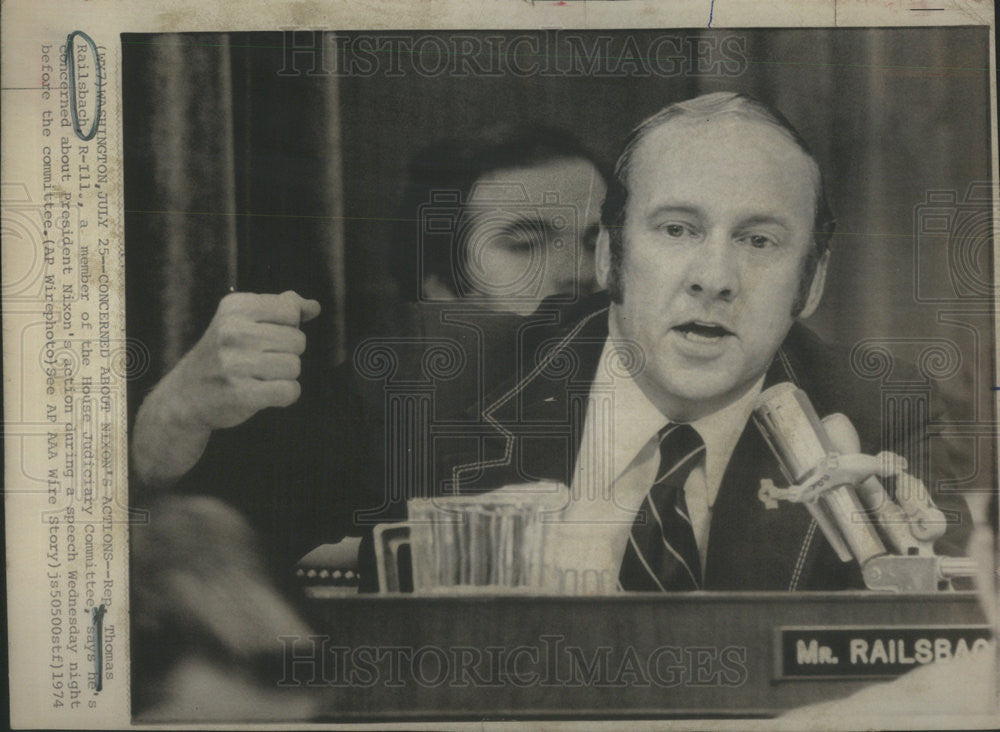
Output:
x,y
721,431
634,418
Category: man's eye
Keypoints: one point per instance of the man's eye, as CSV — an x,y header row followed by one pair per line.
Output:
x,y
523,237
675,230
758,241
518,243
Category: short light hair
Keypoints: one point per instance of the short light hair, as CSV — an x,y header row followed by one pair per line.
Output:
x,y
712,105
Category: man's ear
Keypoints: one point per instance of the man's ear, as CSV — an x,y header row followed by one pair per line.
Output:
x,y
602,258
816,287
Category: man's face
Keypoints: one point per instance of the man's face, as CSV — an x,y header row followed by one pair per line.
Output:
x,y
717,228
520,252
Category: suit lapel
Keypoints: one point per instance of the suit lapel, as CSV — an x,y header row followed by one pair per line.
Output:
x,y
753,543
756,543
532,429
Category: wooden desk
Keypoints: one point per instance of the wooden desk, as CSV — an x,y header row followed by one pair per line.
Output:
x,y
627,656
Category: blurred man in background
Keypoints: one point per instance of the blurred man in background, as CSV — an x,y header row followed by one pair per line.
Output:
x,y
503,218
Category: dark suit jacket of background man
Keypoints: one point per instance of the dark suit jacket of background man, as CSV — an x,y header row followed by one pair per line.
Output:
x,y
432,408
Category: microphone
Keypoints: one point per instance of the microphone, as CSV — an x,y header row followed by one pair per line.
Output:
x,y
800,441
806,454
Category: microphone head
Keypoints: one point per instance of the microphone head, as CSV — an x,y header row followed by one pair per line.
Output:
x,y
792,429
773,392
842,433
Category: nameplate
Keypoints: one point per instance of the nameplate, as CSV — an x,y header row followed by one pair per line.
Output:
x,y
854,652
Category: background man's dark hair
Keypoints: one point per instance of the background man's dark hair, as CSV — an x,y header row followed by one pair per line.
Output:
x,y
719,103
453,166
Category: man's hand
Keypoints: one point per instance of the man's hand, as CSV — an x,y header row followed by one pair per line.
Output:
x,y
911,522
247,360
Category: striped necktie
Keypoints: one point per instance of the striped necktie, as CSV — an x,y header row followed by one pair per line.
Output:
x,y
661,554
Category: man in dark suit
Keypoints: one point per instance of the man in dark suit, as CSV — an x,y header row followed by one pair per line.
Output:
x,y
713,246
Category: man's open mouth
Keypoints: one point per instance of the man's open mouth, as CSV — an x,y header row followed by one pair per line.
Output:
x,y
698,330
